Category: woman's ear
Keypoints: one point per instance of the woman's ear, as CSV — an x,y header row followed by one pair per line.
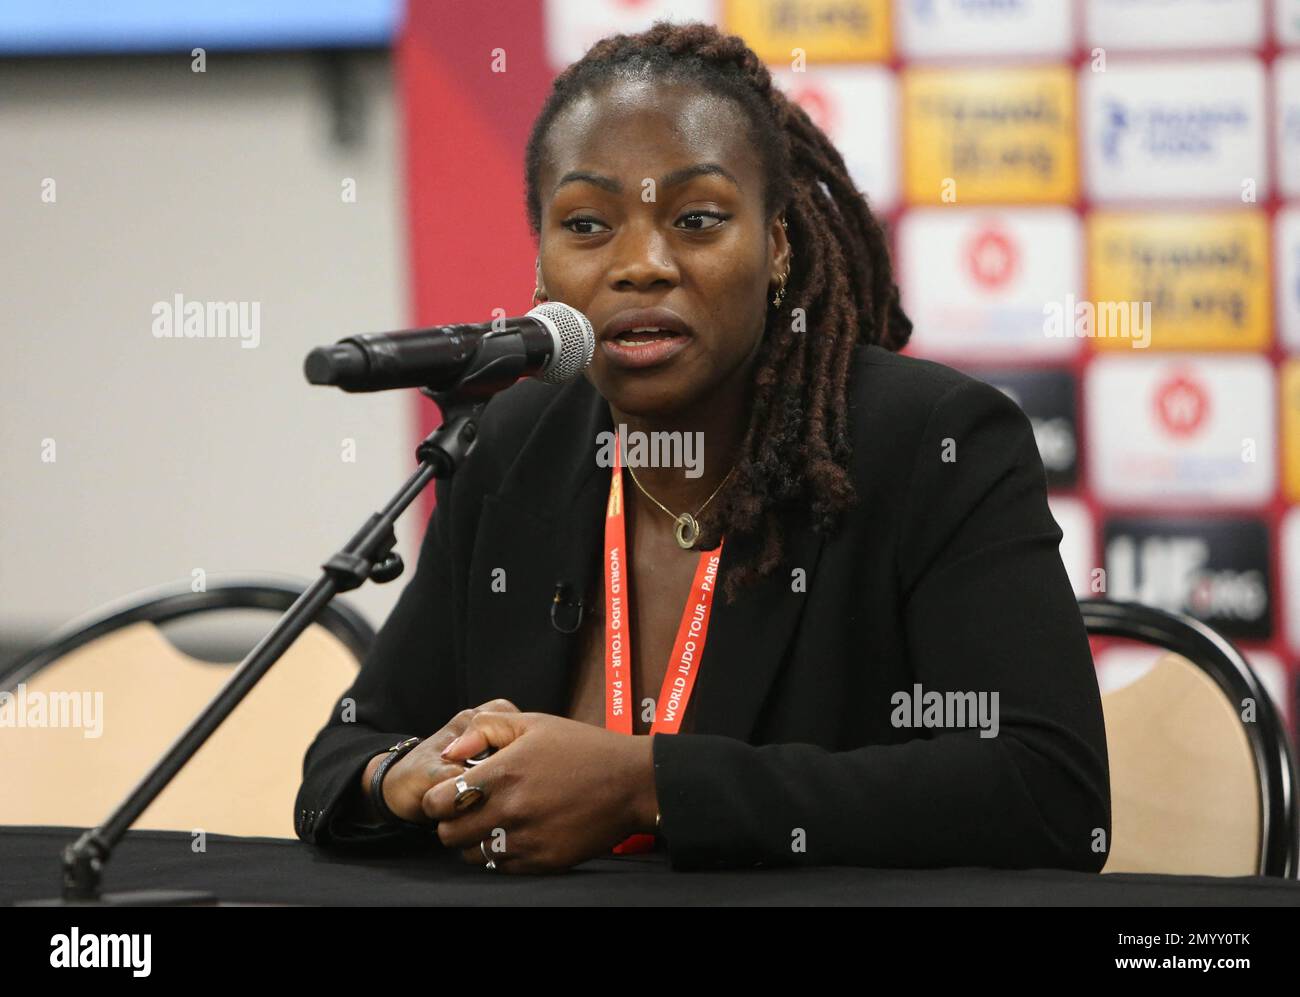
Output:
x,y
781,251
539,292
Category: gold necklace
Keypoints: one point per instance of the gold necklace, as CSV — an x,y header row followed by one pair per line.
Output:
x,y
687,530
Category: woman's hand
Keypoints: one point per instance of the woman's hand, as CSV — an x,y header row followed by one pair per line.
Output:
x,y
558,792
423,767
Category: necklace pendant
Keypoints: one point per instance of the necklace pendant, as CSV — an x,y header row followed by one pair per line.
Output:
x,y
687,531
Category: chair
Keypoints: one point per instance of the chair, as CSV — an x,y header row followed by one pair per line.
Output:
x,y
115,670
1196,787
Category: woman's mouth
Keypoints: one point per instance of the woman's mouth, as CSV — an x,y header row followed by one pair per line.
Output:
x,y
643,347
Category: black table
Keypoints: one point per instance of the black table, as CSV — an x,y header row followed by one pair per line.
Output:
x,y
286,871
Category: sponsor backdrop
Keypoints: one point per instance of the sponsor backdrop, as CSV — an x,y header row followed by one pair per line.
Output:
x,y
1094,206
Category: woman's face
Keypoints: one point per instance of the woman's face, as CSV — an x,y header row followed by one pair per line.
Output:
x,y
652,198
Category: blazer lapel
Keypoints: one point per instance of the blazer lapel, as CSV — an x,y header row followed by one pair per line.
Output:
x,y
544,528
748,641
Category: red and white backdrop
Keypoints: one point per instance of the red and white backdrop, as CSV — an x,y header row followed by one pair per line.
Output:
x,y
1094,205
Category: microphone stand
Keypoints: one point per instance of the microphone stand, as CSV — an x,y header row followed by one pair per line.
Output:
x,y
369,554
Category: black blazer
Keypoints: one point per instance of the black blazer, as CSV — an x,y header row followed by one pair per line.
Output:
x,y
947,574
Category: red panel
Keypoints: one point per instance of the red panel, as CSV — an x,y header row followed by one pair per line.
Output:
x,y
465,128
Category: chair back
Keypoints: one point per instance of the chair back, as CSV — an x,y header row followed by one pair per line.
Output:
x,y
97,705
1202,774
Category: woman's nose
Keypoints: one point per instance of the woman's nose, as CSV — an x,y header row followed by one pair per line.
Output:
x,y
643,257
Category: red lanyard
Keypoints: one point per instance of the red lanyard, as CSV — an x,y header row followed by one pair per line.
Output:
x,y
683,665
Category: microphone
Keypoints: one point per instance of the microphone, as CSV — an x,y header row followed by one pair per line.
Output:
x,y
553,342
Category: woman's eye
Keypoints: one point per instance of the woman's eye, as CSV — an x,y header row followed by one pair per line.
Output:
x,y
580,221
699,226
717,216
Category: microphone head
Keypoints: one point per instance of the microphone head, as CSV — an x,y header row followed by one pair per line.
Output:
x,y
575,340
340,363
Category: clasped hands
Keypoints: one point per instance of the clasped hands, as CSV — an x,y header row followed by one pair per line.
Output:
x,y
557,792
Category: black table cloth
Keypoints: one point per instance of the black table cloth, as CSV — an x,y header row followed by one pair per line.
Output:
x,y
286,871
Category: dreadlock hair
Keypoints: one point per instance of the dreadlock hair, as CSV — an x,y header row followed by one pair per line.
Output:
x,y
796,451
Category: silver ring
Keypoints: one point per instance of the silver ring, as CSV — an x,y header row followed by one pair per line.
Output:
x,y
467,795
482,847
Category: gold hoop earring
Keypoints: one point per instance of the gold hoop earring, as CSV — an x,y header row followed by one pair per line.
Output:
x,y
780,289
780,293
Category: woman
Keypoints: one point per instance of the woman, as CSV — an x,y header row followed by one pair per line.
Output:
x,y
894,671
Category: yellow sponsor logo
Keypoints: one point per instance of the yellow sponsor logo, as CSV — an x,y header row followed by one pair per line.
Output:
x,y
978,136
1205,276
824,30
1290,375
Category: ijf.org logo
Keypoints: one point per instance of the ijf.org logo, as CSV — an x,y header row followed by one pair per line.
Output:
x,y
818,104
1168,132
992,258
1181,403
